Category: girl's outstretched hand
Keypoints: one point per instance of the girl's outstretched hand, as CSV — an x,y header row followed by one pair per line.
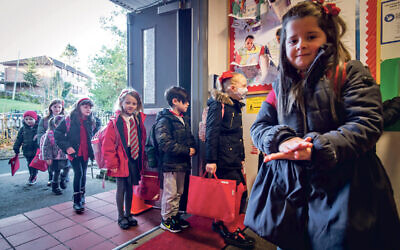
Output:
x,y
294,144
298,155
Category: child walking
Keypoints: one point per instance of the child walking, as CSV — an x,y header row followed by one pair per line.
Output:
x,y
73,137
224,143
326,188
27,138
176,145
55,108
53,155
127,159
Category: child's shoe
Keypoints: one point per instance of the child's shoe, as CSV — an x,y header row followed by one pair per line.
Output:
x,y
56,190
239,239
170,225
123,223
132,221
183,223
32,180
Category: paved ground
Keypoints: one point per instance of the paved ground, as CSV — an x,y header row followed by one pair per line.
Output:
x,y
17,197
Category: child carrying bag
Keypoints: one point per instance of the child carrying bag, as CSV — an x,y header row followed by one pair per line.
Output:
x,y
14,162
214,198
38,163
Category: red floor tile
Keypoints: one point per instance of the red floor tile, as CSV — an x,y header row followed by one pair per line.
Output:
x,y
104,195
105,245
41,243
43,220
97,222
58,225
126,235
90,199
70,233
59,247
84,241
38,213
20,238
62,206
12,220
17,228
112,215
98,203
105,209
85,216
109,230
4,244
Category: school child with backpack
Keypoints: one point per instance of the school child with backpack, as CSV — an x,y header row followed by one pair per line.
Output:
x,y
27,138
224,143
55,108
73,136
176,145
123,151
53,155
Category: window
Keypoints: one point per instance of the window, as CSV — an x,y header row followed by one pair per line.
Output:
x,y
149,88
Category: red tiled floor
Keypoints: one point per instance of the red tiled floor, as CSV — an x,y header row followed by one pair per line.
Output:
x,y
87,215
58,225
59,247
109,230
12,220
38,213
98,203
54,216
4,244
105,209
20,238
84,241
105,245
126,235
89,199
104,195
110,199
17,228
41,243
62,206
97,222
70,233
112,215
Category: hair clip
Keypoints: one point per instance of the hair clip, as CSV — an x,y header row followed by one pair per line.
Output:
x,y
225,75
331,8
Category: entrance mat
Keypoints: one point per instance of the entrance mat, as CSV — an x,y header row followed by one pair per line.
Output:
x,y
198,236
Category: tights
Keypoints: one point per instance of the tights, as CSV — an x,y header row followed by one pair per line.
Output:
x,y
80,167
124,190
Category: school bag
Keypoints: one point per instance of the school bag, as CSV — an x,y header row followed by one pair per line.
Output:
x,y
97,142
203,123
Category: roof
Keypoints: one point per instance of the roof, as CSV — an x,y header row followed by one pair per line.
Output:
x,y
139,5
46,60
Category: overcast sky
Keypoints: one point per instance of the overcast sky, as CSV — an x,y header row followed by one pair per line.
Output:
x,y
45,27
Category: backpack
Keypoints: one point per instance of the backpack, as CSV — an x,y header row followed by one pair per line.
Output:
x,y
97,142
151,148
203,123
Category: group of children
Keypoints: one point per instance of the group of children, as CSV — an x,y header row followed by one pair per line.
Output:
x,y
322,176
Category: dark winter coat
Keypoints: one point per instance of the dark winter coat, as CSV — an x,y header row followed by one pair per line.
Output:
x,y
25,138
342,198
42,128
224,135
174,140
65,139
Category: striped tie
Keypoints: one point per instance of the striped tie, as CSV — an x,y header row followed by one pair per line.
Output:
x,y
133,136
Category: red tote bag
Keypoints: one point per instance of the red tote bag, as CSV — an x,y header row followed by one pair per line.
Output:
x,y
38,163
149,186
14,162
212,198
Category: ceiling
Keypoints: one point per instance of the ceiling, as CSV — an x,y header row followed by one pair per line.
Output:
x,y
138,5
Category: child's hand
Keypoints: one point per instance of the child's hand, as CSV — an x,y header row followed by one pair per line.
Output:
x,y
211,168
34,138
70,150
192,152
298,155
294,144
49,162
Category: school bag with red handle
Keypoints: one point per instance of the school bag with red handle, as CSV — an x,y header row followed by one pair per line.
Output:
x,y
98,140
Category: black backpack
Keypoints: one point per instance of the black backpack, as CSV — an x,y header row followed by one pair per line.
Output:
x,y
151,148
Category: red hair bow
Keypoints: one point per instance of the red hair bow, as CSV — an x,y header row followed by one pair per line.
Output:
x,y
331,8
225,75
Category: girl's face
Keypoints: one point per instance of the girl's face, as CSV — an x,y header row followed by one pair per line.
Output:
x,y
303,39
129,104
86,109
56,109
29,121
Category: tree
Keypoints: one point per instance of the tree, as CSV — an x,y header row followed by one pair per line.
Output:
x,y
109,65
71,53
30,76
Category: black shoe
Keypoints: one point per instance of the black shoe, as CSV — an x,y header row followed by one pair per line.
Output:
x,y
63,185
239,239
83,196
56,190
123,223
132,221
77,203
170,225
183,223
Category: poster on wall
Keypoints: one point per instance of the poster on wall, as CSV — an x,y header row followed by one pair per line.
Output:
x,y
253,45
390,23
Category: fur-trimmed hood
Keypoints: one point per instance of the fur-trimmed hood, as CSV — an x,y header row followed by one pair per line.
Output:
x,y
222,97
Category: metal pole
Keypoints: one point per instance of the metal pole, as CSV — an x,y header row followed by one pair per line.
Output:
x,y
16,74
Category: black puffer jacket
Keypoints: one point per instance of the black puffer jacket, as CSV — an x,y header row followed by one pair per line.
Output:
x,y
65,139
25,138
174,141
342,198
224,135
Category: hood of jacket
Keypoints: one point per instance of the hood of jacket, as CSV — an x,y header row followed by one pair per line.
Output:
x,y
219,96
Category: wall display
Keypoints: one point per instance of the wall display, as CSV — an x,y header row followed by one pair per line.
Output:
x,y
390,21
253,104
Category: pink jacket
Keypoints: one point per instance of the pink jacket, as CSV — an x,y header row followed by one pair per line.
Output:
x,y
116,159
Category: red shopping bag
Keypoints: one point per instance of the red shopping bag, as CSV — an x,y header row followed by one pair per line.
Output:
x,y
212,198
149,186
14,162
38,163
